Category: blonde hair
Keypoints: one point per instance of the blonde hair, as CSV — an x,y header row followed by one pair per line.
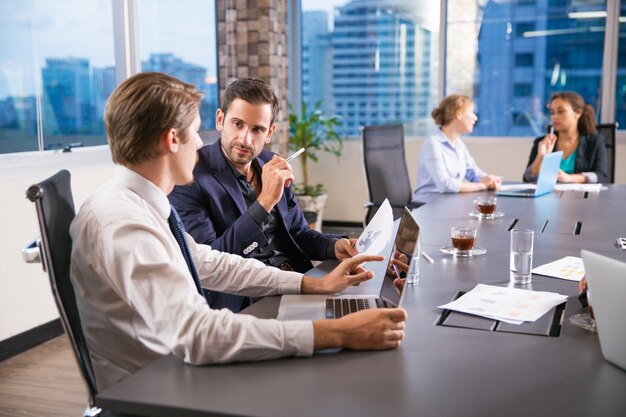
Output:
x,y
449,108
141,109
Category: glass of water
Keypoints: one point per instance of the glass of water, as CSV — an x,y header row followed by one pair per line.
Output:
x,y
413,275
521,256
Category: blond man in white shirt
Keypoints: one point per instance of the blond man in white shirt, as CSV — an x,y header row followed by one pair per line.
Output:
x,y
136,295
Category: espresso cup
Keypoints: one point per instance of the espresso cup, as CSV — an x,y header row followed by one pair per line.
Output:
x,y
463,238
486,206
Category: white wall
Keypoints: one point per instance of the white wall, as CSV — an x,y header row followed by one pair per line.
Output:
x,y
25,297
345,178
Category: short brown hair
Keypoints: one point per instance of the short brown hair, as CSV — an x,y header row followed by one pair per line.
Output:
x,y
252,90
141,109
587,120
449,108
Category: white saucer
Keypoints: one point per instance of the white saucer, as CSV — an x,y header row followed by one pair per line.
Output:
x,y
451,251
486,216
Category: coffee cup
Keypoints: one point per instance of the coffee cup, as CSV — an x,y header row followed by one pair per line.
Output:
x,y
486,206
463,238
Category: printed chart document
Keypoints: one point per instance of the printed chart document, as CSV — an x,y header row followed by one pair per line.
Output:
x,y
570,268
378,231
510,305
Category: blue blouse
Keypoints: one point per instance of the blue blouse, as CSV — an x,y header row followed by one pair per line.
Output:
x,y
568,165
443,166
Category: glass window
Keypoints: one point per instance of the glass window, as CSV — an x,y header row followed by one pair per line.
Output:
x,y
620,105
375,54
524,60
523,27
559,51
179,38
522,89
49,73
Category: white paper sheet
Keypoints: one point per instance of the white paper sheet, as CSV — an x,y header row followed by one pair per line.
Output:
x,y
377,233
570,268
578,187
512,305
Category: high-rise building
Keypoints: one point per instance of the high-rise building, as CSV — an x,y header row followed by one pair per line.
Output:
x,y
190,73
527,51
176,67
382,64
316,60
68,89
18,124
104,82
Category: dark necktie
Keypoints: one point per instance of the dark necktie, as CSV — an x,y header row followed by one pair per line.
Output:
x,y
178,230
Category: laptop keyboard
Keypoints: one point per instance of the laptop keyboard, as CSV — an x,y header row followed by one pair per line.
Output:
x,y
339,307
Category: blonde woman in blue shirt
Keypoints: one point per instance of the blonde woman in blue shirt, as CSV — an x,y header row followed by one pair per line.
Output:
x,y
445,164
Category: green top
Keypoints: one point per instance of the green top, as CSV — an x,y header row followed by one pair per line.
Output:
x,y
569,163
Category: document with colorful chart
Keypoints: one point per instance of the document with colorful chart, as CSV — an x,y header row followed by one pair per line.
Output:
x,y
510,305
378,231
570,268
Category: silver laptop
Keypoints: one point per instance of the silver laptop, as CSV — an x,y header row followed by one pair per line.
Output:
x,y
317,307
546,180
606,281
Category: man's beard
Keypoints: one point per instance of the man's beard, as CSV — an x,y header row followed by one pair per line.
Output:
x,y
240,159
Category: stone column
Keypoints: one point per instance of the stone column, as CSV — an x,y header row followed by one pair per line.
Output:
x,y
252,42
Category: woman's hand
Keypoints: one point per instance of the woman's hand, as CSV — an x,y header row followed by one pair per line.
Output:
x,y
546,145
491,182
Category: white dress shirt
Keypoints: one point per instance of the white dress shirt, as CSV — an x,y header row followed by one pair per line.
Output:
x,y
138,301
443,166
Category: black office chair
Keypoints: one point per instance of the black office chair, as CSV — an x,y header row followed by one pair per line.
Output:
x,y
385,169
608,131
55,211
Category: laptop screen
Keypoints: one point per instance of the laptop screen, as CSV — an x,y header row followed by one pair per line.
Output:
x,y
402,253
549,172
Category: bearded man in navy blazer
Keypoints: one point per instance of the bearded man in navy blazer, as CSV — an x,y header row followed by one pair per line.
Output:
x,y
242,201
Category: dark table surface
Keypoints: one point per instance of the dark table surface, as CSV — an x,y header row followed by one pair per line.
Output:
x,y
438,370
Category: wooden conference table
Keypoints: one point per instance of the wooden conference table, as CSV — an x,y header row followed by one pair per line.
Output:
x,y
438,370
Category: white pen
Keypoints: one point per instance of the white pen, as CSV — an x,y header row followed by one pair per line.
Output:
x,y
552,130
294,155
396,270
428,258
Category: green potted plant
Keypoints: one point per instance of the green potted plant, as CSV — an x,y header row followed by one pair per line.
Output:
x,y
315,132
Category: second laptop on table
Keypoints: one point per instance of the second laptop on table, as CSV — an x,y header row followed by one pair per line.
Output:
x,y
550,166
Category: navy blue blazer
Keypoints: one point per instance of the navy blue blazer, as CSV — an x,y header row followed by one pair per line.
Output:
x,y
590,157
214,212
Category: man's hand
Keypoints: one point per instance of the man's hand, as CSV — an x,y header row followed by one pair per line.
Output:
x,y
344,249
377,329
349,272
276,175
398,265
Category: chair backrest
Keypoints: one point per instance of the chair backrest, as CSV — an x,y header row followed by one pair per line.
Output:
x,y
385,167
55,211
608,130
